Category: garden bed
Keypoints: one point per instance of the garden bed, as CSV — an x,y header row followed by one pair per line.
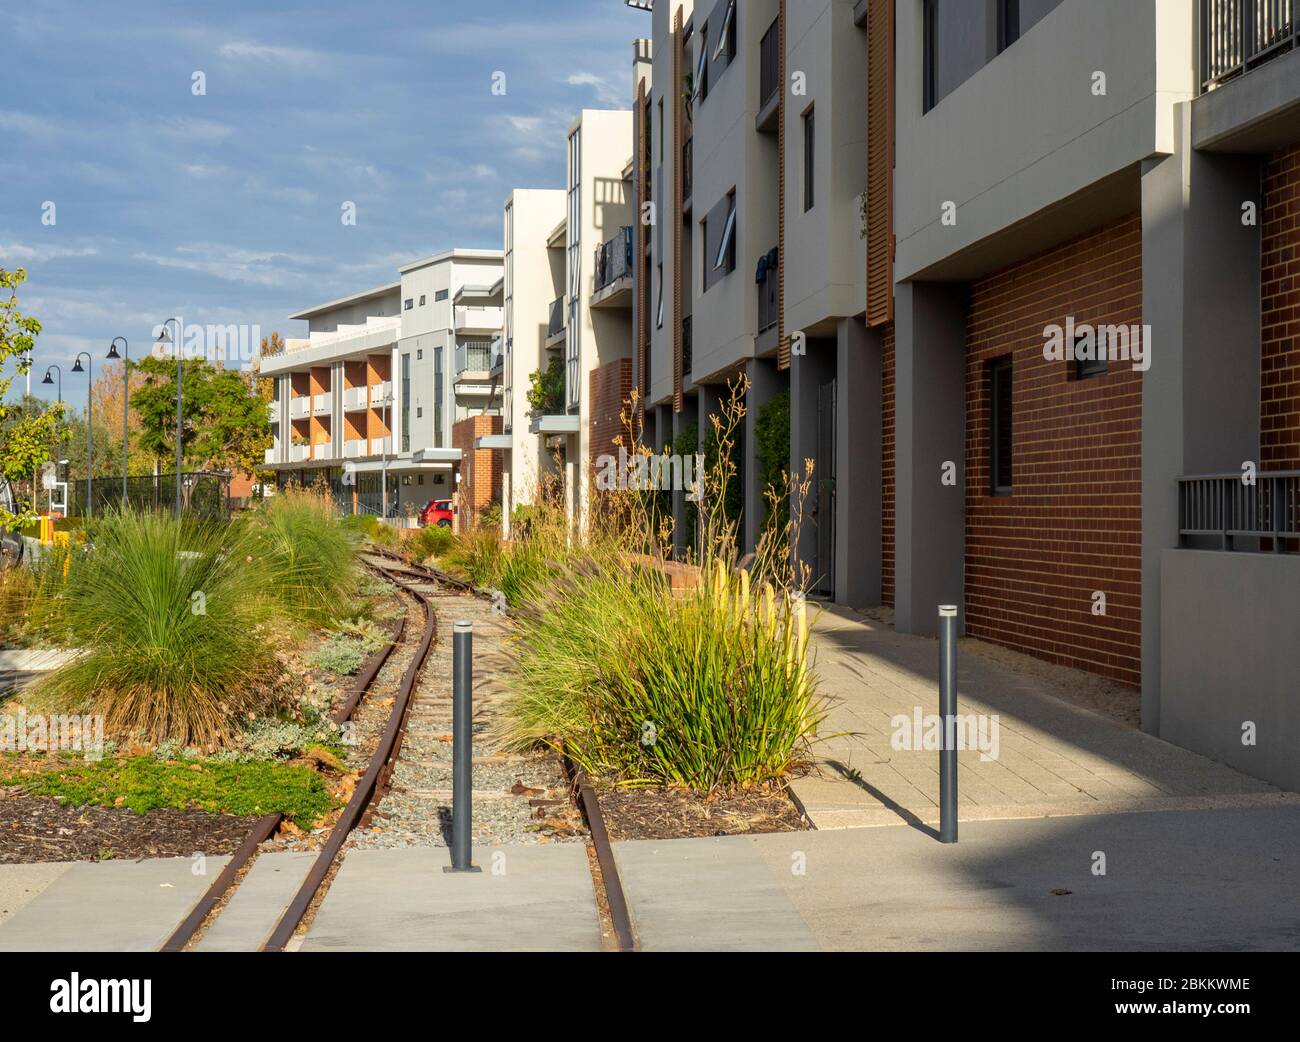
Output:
x,y
661,813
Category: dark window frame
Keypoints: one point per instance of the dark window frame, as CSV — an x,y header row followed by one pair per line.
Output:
x,y
1008,23
809,158
441,294
928,100
1001,427
1088,368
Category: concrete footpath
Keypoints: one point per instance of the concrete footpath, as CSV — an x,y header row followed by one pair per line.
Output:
x,y
1053,757
1220,880
525,899
104,906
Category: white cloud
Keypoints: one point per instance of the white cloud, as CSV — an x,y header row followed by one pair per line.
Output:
x,y
248,51
26,254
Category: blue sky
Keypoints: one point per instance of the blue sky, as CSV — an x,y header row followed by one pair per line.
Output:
x,y
225,208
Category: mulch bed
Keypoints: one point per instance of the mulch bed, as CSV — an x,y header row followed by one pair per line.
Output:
x,y
38,828
678,814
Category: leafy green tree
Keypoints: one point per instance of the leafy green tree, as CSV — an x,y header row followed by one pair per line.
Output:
x,y
26,438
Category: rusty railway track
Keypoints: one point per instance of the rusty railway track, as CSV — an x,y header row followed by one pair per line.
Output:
x,y
375,781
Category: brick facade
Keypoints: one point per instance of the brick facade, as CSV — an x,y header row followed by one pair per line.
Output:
x,y
1280,314
480,469
1072,525
611,390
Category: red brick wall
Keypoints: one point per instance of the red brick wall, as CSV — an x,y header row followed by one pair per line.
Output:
x,y
480,468
1073,523
611,388
1280,314
887,471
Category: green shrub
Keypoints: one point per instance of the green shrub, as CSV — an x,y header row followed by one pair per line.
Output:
x,y
303,556
169,618
431,541
709,689
477,555
772,432
144,783
338,655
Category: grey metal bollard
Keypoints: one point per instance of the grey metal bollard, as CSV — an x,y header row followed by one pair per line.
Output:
x,y
462,747
948,718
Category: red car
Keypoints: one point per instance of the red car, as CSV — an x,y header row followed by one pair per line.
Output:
x,y
436,512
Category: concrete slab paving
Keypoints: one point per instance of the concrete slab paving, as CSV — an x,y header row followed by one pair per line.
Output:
x,y
525,899
1199,880
256,906
20,885
709,894
109,906
1053,757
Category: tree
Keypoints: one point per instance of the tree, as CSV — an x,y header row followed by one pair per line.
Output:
x,y
225,424
27,435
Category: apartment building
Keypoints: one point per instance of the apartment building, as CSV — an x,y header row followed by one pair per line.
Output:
x,y
534,335
755,263
375,386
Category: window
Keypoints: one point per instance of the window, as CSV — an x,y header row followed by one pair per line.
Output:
x,y
809,161
1017,17
440,295
659,320
419,354
422,299
406,402
702,66
956,39
410,303
419,412
1090,354
661,130
727,35
1000,427
725,259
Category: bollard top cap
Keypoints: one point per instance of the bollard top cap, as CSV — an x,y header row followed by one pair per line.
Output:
x,y
462,626
947,611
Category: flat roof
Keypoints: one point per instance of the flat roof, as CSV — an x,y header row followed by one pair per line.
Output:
x,y
452,254
355,298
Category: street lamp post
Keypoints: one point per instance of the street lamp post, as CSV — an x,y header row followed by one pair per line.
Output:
x,y
126,403
388,401
47,380
164,338
90,428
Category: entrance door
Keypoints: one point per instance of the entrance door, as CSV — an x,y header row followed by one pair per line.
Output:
x,y
824,580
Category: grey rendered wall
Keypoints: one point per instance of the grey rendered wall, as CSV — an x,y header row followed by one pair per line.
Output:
x,y
1230,630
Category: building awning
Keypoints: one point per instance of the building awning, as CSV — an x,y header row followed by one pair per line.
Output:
x,y
562,424
441,457
493,441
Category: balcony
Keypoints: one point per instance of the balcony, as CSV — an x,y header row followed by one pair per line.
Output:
x,y
1238,35
472,319
299,452
381,446
555,329
355,399
273,412
321,450
614,259
354,448
321,404
379,392
300,407
769,79
1223,510
271,456
475,359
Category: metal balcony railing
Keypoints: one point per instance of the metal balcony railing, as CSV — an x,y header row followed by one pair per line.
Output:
x,y
1237,35
769,64
614,258
1226,508
556,325
475,356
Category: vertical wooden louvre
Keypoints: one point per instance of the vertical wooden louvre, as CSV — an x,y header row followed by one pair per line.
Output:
x,y
880,162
